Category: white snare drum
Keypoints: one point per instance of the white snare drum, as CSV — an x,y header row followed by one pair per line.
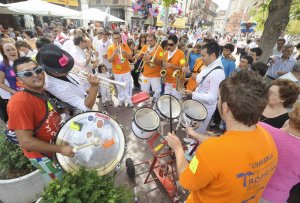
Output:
x,y
162,106
145,123
193,113
82,130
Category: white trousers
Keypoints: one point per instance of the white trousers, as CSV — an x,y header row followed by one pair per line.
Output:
x,y
154,83
105,94
169,89
124,94
203,126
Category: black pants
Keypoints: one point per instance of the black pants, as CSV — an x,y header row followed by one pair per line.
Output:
x,y
217,118
136,74
3,112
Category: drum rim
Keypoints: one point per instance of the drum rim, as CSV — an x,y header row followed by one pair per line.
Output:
x,y
164,114
140,129
134,120
101,173
187,115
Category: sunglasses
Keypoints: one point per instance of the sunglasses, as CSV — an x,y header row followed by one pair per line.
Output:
x,y
170,45
29,73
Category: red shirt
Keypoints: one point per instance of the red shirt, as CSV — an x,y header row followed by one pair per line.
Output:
x,y
26,111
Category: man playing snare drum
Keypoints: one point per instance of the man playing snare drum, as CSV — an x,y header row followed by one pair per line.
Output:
x,y
29,113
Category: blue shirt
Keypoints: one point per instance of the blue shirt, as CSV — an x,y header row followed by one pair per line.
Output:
x,y
280,65
192,60
229,66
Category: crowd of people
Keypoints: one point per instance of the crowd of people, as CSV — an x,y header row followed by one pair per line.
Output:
x,y
50,75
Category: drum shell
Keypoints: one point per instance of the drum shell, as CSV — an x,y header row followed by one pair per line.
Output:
x,y
141,134
69,165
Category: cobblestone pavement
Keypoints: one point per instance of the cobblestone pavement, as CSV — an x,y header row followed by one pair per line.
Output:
x,y
139,151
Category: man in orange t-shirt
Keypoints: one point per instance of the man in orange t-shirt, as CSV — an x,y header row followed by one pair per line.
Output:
x,y
151,74
119,55
175,60
236,166
27,111
192,84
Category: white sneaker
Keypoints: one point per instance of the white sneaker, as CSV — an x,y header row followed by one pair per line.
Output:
x,y
130,104
120,104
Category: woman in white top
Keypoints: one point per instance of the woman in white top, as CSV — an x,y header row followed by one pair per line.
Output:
x,y
25,49
104,90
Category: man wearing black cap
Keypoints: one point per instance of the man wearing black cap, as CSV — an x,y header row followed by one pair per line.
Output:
x,y
34,120
62,84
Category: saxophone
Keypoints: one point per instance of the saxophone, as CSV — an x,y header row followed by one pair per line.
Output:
x,y
163,72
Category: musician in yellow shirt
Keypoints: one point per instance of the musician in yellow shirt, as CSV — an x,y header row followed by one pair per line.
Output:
x,y
119,55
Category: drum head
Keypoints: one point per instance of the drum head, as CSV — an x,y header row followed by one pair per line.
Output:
x,y
163,106
146,119
194,110
82,130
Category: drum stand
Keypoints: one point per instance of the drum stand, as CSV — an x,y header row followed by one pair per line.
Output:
x,y
163,165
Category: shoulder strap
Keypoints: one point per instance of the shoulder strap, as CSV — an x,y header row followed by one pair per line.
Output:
x,y
42,121
205,76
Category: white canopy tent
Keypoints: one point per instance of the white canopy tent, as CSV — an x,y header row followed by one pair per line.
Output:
x,y
95,14
41,8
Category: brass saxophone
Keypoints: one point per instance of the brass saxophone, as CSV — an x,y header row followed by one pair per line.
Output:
x,y
163,72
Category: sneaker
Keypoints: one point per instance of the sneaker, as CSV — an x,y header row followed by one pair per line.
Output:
x,y
130,104
104,105
111,104
120,104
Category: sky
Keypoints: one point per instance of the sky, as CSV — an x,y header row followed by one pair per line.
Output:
x,y
223,4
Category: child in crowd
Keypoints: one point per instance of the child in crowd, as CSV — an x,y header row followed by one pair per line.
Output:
x,y
104,90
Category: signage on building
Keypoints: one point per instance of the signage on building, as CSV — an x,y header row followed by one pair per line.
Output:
x,y
179,22
65,2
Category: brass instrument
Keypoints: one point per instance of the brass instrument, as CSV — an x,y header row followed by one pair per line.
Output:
x,y
151,62
163,72
120,53
180,79
104,82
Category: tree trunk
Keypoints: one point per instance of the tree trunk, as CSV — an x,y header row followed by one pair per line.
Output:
x,y
276,22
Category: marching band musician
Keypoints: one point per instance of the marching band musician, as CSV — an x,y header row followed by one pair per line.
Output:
x,y
175,60
208,81
63,84
152,54
192,84
119,55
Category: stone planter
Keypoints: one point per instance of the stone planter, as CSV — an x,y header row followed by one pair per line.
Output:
x,y
25,189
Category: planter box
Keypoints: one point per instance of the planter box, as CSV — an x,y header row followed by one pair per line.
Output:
x,y
25,189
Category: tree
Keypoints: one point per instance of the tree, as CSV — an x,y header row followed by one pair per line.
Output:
x,y
278,19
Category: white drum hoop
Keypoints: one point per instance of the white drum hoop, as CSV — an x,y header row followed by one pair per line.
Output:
x,y
165,111
139,127
194,110
83,128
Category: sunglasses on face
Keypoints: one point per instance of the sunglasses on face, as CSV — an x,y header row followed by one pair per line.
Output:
x,y
171,44
29,73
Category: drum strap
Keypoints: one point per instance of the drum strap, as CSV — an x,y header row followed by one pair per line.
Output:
x,y
205,76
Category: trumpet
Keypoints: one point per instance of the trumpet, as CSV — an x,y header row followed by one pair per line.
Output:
x,y
151,62
104,82
120,53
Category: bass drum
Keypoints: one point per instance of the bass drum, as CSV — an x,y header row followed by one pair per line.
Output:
x,y
145,123
80,132
162,107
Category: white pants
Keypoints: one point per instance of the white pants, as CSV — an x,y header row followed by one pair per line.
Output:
x,y
154,83
105,94
124,94
203,126
169,89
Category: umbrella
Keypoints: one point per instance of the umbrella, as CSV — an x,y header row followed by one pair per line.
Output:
x,y
41,8
95,14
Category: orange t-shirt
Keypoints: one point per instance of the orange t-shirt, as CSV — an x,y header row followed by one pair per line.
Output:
x,y
119,66
25,112
192,84
234,167
177,59
148,70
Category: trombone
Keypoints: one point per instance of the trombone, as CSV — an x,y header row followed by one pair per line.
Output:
x,y
104,82
151,62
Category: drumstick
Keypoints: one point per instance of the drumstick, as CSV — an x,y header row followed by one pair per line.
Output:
x,y
95,142
171,127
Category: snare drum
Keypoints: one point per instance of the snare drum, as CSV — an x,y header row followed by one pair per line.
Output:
x,y
193,113
83,129
145,123
162,106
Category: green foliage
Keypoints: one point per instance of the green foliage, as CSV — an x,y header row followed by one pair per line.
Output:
x,y
167,3
85,186
12,159
260,14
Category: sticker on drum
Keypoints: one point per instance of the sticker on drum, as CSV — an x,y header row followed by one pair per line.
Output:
x,y
163,106
145,123
194,110
104,156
